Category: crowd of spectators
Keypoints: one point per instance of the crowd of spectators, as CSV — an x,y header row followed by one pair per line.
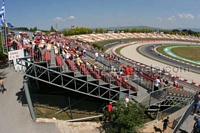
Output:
x,y
75,55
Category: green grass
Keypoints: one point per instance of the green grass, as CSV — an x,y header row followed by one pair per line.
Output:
x,y
192,53
45,111
160,49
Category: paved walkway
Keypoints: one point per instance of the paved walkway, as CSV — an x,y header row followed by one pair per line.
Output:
x,y
15,118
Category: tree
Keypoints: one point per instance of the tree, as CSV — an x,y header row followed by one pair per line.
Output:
x,y
126,119
35,29
52,29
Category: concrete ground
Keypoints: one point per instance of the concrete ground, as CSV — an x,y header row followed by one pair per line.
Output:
x,y
15,118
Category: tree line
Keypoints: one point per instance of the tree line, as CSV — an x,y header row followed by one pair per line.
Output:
x,y
84,30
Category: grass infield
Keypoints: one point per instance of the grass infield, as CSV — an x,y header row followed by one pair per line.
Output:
x,y
192,53
188,52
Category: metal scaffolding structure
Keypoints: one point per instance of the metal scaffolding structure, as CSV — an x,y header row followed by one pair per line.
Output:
x,y
68,80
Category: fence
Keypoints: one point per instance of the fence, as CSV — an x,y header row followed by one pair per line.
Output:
x,y
184,117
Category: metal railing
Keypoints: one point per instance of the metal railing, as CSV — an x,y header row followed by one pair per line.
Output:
x,y
173,109
184,117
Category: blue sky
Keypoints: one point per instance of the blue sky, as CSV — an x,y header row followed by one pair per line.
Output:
x,y
43,14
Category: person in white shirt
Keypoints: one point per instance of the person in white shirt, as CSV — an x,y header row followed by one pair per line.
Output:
x,y
67,55
156,83
127,101
96,55
19,37
84,51
26,41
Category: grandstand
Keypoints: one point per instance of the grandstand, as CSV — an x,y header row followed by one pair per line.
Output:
x,y
61,64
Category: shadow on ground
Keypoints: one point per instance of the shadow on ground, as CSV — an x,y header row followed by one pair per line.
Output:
x,y
3,74
157,129
21,97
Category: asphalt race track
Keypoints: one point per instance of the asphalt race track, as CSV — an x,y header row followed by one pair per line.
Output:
x,y
147,50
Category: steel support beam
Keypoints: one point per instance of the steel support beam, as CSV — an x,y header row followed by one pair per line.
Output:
x,y
28,97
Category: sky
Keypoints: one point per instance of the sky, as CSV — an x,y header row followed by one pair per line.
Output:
x,y
166,14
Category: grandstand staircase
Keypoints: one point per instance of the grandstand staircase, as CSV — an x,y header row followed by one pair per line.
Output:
x,y
163,99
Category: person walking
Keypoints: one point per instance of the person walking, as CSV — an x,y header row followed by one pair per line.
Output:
x,y
196,127
127,101
2,88
165,124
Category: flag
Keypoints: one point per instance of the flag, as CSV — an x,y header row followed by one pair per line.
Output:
x,y
2,14
10,25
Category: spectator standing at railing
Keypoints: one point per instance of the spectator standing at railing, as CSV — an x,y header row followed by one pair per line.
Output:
x,y
156,83
84,51
19,36
196,128
127,72
196,103
96,55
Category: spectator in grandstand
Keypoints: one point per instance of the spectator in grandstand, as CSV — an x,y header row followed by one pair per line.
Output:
x,y
78,61
196,103
14,44
166,83
96,55
112,80
127,72
156,83
175,84
84,51
37,52
59,45
67,55
121,72
19,36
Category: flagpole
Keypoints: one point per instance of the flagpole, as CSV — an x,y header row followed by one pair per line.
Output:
x,y
2,40
6,41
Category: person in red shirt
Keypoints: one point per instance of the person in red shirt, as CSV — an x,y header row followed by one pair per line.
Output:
x,y
110,107
128,71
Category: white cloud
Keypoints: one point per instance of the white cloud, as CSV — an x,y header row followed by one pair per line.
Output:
x,y
71,17
58,19
64,19
171,18
186,16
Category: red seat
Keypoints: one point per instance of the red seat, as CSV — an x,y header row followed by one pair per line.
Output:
x,y
117,82
59,61
47,56
134,88
71,65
